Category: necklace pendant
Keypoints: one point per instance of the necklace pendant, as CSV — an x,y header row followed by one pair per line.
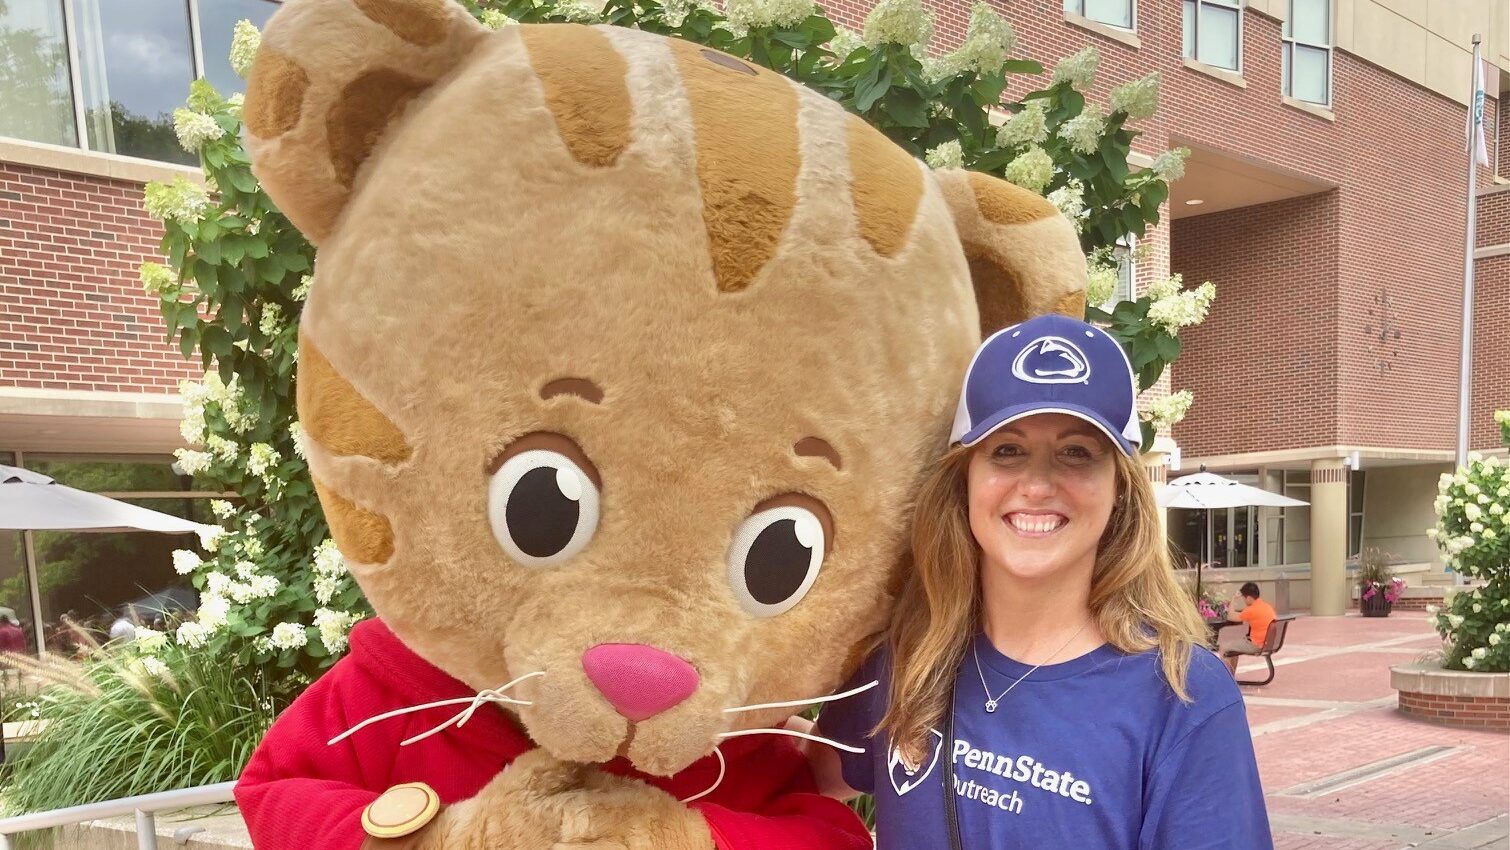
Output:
x,y
990,706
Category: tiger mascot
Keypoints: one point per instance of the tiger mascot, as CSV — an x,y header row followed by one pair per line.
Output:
x,y
620,363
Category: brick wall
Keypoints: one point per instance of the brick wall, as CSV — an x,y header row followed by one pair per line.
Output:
x,y
72,312
1475,712
1491,349
1263,366
1493,225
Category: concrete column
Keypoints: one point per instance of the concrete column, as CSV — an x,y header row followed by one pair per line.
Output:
x,y
1329,588
1156,467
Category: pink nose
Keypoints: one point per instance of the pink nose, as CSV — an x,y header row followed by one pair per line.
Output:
x,y
639,681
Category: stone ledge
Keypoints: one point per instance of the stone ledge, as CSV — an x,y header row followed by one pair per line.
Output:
x,y
1453,697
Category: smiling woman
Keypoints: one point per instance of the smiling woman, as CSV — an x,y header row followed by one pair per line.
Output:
x,y
1040,563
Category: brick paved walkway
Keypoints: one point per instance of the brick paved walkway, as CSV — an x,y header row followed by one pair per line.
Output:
x,y
1344,770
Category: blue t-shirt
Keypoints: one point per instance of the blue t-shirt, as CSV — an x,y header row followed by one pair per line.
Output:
x,y
1096,752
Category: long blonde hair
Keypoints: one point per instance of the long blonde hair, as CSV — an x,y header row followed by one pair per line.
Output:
x,y
1136,601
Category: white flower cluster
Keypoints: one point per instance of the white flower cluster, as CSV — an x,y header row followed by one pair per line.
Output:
x,y
195,129
1083,132
330,571
988,41
778,14
149,666
1078,70
1139,98
1169,166
262,459
245,39
271,321
180,201
333,627
1174,307
904,22
301,292
296,433
158,279
1166,411
288,636
1027,126
1032,170
845,42
578,11
149,640
494,19
1101,283
946,155
185,562
1070,200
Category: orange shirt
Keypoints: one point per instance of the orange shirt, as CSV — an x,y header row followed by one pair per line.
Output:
x,y
1258,615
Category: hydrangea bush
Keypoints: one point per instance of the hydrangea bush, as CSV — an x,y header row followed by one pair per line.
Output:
x,y
1473,532
275,593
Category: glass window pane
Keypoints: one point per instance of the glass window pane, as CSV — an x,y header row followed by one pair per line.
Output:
x,y
1189,19
1218,36
1308,74
1072,6
1311,21
1284,69
113,475
1118,13
137,62
35,99
217,20
17,634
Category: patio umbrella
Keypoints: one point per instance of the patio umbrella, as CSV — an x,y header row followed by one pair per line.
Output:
x,y
1208,491
30,501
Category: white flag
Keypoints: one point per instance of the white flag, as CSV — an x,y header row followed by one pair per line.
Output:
x,y
1477,146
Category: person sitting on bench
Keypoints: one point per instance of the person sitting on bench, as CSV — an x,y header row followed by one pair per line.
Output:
x,y
1246,607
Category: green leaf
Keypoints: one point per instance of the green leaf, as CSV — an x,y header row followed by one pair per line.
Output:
x,y
1168,347
873,84
907,109
1024,66
1116,162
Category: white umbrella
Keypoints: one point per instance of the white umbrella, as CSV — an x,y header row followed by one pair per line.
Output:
x,y
30,501
1208,491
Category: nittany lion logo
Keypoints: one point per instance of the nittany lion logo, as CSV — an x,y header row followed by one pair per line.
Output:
x,y
1052,360
903,778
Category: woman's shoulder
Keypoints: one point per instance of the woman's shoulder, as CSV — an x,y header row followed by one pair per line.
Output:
x,y
1207,682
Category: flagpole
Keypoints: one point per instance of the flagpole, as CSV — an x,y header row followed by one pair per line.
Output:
x,y
1465,368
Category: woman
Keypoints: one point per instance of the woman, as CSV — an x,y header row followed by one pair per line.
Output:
x,y
1043,662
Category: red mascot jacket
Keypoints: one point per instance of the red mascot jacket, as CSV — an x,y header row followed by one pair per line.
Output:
x,y
297,793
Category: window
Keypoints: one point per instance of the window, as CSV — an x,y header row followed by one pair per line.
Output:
x,y
1307,58
36,100
132,62
1117,13
1355,513
1126,273
1214,32
86,582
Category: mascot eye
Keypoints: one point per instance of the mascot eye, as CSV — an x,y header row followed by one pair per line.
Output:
x,y
543,507
776,554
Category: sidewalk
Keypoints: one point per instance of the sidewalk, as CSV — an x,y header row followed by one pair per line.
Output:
x,y
1343,770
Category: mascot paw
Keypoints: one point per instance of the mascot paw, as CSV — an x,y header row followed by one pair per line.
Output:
x,y
541,803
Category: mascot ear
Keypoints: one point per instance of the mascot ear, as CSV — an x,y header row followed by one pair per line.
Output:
x,y
1025,259
329,78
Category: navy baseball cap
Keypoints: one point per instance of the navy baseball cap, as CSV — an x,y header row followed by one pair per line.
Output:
x,y
1049,364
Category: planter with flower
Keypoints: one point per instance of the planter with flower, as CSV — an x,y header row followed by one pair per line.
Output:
x,y
1378,586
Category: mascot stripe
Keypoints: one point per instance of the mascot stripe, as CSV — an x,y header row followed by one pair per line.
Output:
x,y
736,108
887,187
1001,202
1071,304
421,22
360,534
583,79
365,108
338,417
274,94
998,290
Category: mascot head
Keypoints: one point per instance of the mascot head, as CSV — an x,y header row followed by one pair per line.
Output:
x,y
623,355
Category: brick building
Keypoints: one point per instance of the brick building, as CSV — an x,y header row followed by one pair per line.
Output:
x,y
1325,197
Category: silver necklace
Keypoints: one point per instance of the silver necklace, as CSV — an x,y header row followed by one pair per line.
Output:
x,y
993,702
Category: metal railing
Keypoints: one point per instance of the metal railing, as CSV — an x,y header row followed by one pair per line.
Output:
x,y
145,806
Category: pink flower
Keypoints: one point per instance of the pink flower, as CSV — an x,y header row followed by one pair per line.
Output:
x,y
1368,592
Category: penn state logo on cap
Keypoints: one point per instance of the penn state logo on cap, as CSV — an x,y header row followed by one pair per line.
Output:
x,y
1052,360
1049,364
